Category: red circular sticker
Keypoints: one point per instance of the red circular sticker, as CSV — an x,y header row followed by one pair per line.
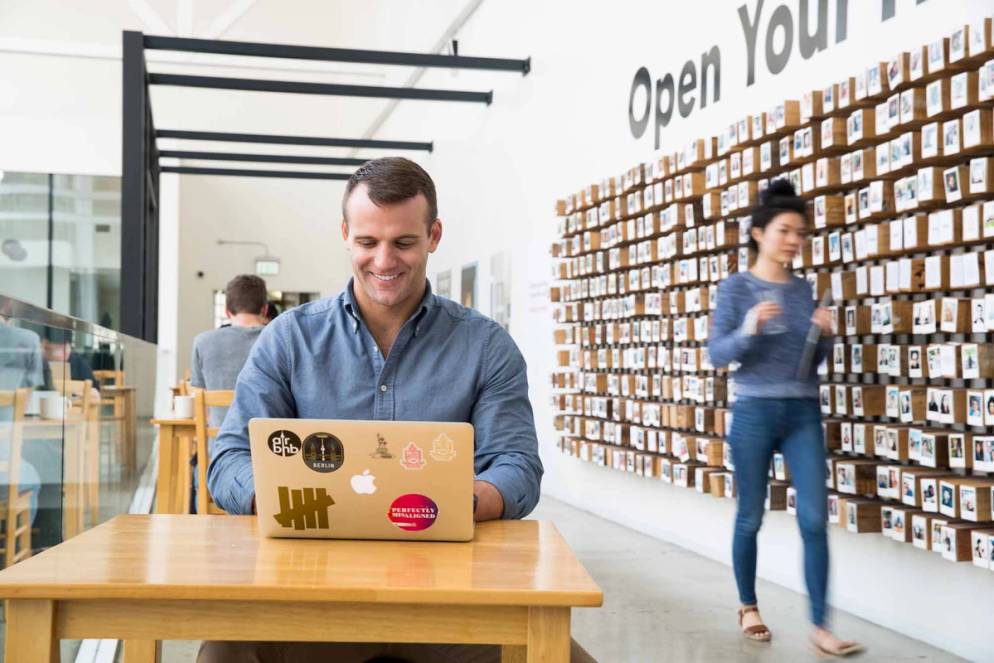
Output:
x,y
413,512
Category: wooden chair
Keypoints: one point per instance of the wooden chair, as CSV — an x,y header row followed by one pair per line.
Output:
x,y
79,393
81,451
203,400
15,543
120,415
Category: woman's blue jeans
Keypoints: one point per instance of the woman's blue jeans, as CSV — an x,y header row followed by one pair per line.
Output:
x,y
760,427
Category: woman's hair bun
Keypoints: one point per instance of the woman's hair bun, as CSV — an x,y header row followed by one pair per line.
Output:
x,y
778,188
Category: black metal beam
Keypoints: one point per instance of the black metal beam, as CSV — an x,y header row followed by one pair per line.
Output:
x,y
284,174
50,269
263,158
330,89
334,54
133,161
228,137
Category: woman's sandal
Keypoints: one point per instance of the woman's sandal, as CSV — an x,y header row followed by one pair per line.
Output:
x,y
757,632
845,648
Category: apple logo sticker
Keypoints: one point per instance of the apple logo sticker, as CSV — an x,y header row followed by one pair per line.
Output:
x,y
363,484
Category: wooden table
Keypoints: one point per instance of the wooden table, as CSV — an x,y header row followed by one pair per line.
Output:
x,y
175,447
144,579
122,398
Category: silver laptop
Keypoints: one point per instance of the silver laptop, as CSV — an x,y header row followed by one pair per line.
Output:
x,y
341,479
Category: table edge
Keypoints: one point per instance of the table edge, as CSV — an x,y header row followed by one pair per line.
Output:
x,y
531,598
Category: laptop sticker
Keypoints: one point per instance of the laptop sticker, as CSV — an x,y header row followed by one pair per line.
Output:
x,y
413,457
413,512
382,450
303,508
323,452
443,448
363,484
284,443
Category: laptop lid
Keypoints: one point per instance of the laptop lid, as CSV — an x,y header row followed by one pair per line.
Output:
x,y
342,479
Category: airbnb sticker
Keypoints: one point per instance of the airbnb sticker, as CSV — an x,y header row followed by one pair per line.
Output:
x,y
413,512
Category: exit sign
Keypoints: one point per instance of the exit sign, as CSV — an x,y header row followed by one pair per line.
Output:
x,y
267,266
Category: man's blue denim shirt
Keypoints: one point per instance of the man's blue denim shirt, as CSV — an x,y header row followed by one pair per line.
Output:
x,y
448,363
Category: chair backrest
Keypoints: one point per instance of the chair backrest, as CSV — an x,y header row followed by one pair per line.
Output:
x,y
79,391
59,371
11,436
203,400
110,377
11,431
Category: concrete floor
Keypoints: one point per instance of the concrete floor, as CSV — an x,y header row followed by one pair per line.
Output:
x,y
663,603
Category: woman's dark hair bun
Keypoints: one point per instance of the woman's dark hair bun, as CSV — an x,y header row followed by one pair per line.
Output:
x,y
778,188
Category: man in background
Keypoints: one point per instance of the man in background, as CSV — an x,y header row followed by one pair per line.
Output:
x,y
219,354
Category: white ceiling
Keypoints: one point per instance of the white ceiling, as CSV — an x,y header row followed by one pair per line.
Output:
x,y
94,28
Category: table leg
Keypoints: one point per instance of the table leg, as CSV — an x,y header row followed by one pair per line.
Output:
x,y
142,651
165,480
131,443
71,481
184,499
93,447
513,654
30,636
548,635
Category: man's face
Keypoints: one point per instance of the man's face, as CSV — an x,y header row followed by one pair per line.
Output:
x,y
389,246
56,351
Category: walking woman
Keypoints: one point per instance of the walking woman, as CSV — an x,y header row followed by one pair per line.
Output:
x,y
762,321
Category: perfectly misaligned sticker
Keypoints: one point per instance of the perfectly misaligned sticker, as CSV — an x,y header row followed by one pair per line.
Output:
x,y
413,512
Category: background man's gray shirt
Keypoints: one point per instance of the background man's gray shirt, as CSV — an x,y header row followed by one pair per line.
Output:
x,y
218,358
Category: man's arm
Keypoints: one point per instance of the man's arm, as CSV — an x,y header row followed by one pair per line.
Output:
x,y
263,390
506,445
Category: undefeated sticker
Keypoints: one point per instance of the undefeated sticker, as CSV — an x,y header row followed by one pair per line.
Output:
x,y
413,512
323,452
304,508
284,443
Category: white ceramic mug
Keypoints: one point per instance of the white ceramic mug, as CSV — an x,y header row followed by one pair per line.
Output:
x,y
183,407
54,406
33,406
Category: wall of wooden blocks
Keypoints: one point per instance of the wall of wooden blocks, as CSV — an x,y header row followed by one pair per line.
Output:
x,y
897,164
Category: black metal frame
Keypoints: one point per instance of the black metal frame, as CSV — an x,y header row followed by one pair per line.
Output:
x,y
139,198
140,154
262,158
283,174
221,136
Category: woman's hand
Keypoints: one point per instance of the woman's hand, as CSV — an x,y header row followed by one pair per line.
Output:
x,y
823,318
762,313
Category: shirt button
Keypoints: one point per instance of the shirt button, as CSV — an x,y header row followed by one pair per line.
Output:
x,y
383,387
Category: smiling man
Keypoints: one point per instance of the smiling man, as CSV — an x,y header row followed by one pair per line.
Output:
x,y
386,348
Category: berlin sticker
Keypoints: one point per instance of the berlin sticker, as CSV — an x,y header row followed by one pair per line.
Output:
x,y
323,452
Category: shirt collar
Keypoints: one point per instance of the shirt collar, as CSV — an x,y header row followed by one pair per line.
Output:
x,y
427,304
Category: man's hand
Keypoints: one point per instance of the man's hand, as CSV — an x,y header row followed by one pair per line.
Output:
x,y
490,503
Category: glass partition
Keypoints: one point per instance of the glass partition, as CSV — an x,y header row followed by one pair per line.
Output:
x,y
76,402
60,243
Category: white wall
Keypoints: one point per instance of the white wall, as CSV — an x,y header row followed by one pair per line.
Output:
x,y
298,221
500,169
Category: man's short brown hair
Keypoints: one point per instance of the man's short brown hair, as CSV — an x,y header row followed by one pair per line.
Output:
x,y
246,293
390,180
